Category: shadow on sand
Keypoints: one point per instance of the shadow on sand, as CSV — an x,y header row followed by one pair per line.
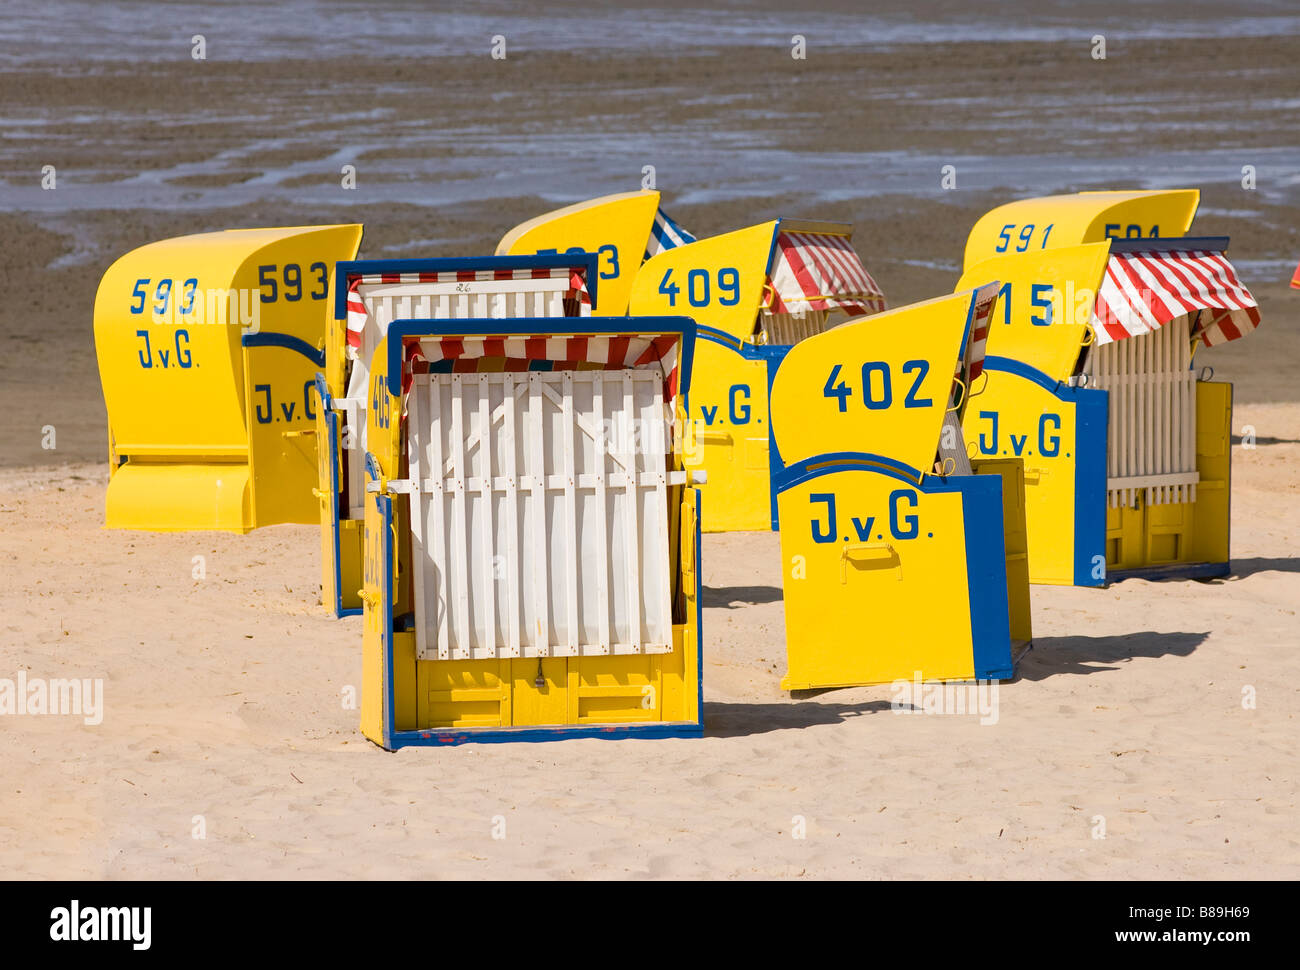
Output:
x,y
722,720
1052,656
736,597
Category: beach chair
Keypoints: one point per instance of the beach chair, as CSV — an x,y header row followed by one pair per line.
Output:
x,y
368,296
754,293
531,539
622,230
207,347
901,558
1092,378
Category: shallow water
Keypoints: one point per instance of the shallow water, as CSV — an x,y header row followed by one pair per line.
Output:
x,y
726,155
84,29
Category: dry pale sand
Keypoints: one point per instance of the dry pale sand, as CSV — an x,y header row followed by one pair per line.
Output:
x,y
223,699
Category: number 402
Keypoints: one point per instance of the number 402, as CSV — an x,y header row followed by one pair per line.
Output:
x,y
878,394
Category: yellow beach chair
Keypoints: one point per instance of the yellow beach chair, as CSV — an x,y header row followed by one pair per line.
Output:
x,y
901,559
531,542
622,230
754,293
368,296
1090,380
208,346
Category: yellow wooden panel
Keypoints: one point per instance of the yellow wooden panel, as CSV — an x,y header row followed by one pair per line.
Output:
x,y
1067,220
616,227
880,384
865,605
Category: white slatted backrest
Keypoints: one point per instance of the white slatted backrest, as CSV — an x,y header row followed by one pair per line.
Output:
x,y
787,329
1151,445
541,524
476,299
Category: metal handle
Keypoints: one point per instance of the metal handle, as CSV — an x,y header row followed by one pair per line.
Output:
x,y
713,436
867,552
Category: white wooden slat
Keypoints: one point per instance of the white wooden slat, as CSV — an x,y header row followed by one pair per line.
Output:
x,y
572,563
437,506
512,503
600,573
540,634
633,549
488,524
458,551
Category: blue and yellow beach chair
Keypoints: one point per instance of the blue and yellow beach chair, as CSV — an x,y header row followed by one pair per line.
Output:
x,y
901,559
531,539
208,346
1090,380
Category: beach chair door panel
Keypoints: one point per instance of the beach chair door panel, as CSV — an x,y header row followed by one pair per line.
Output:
x,y
729,438
542,522
867,554
1016,418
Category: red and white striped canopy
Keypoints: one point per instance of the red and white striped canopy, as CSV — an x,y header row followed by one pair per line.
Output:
x,y
973,358
821,271
577,299
1145,290
459,354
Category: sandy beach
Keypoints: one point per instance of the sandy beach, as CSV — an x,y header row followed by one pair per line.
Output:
x,y
223,699
1162,716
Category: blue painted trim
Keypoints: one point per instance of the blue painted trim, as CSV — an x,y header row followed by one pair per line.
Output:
x,y
771,253
772,355
747,351
1191,570
360,267
384,504
549,327
296,344
986,574
815,467
1091,414
331,418
775,463
444,737
1213,244
1010,365
699,612
1091,431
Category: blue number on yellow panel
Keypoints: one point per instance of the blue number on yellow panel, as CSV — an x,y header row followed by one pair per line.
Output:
x,y
669,288
886,398
188,289
840,390
1131,231
1041,302
921,368
140,296
698,287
